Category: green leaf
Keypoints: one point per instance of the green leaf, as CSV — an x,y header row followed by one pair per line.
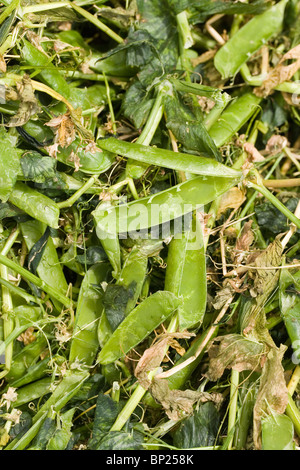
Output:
x,y
188,130
37,168
62,435
277,432
140,322
198,430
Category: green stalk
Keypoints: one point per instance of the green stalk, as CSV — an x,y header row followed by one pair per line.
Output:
x,y
292,411
7,304
95,21
36,280
9,9
235,377
84,188
139,392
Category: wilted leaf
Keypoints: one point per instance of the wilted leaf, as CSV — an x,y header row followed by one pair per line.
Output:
x,y
272,394
64,129
153,356
178,403
233,351
281,72
232,199
28,103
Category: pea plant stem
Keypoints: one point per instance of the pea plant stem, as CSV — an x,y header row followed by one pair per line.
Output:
x,y
233,404
139,392
36,280
85,187
268,195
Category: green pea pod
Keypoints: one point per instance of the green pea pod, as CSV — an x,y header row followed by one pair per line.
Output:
x,y
84,344
27,356
168,159
27,313
132,276
34,390
140,322
34,372
237,113
160,207
48,73
65,390
9,165
248,39
35,204
289,303
186,275
49,269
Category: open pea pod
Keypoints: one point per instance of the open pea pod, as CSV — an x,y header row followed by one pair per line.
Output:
x,y
48,73
232,119
289,304
35,204
248,39
168,159
186,275
160,207
130,280
84,344
140,322
49,269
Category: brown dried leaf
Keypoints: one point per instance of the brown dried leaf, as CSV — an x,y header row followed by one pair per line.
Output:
x,y
153,356
254,154
28,336
232,199
280,73
233,351
64,129
276,143
272,394
28,103
178,403
243,242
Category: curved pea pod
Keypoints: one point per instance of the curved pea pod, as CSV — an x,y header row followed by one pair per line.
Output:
x,y
160,207
84,344
289,304
27,356
34,390
130,279
237,113
49,269
248,39
35,204
48,73
140,322
168,159
186,275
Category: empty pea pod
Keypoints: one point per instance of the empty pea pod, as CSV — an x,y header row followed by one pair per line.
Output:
x,y
35,204
131,278
140,322
49,268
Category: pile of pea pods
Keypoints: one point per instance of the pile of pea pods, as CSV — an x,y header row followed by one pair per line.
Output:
x,y
149,229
